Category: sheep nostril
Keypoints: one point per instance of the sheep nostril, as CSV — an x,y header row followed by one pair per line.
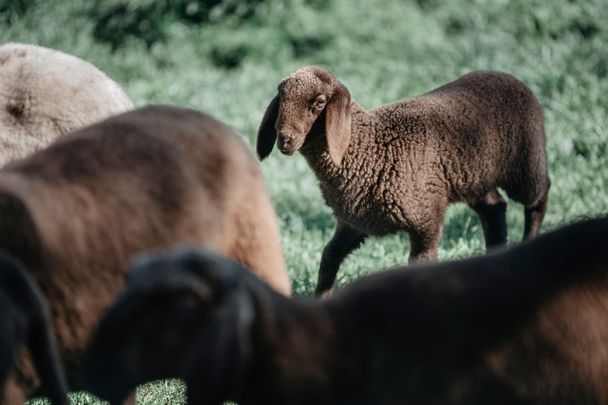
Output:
x,y
284,141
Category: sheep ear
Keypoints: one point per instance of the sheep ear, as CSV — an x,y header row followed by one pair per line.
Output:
x,y
267,134
337,123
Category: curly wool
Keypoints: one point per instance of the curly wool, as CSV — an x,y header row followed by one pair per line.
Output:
x,y
399,166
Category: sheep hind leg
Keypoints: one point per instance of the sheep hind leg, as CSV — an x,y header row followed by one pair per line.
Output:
x,y
492,212
534,215
344,241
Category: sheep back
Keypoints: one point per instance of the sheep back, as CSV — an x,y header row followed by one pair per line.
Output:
x,y
486,130
46,93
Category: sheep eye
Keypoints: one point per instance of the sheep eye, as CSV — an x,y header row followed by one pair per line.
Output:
x,y
319,103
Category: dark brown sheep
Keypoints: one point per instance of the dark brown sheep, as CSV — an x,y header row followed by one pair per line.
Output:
x,y
397,167
26,322
520,326
76,212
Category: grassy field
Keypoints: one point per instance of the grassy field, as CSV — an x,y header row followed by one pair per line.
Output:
x,y
229,61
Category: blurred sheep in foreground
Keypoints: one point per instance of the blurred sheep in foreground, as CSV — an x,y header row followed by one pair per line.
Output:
x,y
76,212
521,326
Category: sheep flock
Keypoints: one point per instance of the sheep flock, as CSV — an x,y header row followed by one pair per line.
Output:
x,y
141,244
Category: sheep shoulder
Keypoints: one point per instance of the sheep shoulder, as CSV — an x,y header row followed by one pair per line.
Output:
x,y
386,170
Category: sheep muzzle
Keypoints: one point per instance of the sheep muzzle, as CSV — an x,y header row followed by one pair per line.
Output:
x,y
288,144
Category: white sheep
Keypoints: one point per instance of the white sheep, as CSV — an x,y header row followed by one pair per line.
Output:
x,y
46,93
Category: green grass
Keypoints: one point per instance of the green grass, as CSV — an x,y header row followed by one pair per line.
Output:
x,y
383,50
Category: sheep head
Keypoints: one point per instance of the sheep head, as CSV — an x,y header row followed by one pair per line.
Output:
x,y
308,94
184,314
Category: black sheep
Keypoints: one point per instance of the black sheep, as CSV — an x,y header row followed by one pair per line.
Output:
x,y
26,321
521,326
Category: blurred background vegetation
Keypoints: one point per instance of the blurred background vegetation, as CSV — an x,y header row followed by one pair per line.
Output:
x,y
226,57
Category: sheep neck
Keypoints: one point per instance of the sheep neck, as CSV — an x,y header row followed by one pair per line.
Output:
x,y
236,365
292,344
316,152
360,152
307,352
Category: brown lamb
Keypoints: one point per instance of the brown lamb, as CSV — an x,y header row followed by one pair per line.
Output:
x,y
76,212
45,94
397,167
520,326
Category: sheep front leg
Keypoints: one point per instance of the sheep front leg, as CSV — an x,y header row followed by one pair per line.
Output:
x,y
424,242
344,241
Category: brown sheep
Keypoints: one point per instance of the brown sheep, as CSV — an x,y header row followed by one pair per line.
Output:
x,y
26,321
520,326
397,167
76,212
46,93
